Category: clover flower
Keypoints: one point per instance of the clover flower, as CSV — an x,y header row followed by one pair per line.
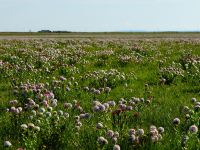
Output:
x,y
110,133
37,128
102,140
107,89
132,132
67,105
132,138
176,121
24,126
193,129
140,132
31,125
193,100
99,126
116,147
7,144
161,130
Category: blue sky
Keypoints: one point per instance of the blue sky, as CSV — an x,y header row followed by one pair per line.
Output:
x,y
99,15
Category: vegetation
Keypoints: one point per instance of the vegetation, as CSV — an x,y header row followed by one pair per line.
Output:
x,y
99,94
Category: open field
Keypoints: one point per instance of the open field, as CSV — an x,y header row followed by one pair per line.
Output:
x,y
89,91
105,35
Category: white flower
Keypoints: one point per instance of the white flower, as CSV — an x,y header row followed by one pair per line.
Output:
x,y
116,134
161,130
132,132
42,110
99,126
102,140
60,112
110,133
33,112
107,89
48,114
7,144
67,105
132,138
31,125
111,103
116,147
193,129
176,121
193,100
24,126
37,128
66,115
140,132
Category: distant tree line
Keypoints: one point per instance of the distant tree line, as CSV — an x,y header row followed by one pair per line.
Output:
x,y
49,31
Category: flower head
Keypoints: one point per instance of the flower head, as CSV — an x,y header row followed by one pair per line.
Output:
x,y
7,144
193,129
116,147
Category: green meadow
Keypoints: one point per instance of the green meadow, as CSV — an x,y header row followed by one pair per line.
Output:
x,y
100,91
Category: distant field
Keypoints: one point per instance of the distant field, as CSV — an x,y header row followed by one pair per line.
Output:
x,y
104,35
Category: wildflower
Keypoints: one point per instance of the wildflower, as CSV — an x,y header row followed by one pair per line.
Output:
x,y
31,125
49,108
62,78
140,132
187,116
176,121
60,112
193,100
186,109
161,130
116,147
110,133
107,89
19,109
7,144
86,88
111,103
24,126
193,129
42,110
132,138
152,127
102,140
12,109
122,106
84,116
132,132
154,138
67,105
129,108
116,134
54,104
197,107
99,126
114,139
48,114
67,89
97,92
102,107
37,128
33,112
106,105
66,115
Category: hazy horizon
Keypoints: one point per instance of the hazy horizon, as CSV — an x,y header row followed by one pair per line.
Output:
x,y
99,16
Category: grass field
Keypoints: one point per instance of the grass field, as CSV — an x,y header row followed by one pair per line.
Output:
x,y
100,91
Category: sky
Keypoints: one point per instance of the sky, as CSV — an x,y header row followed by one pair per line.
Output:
x,y
100,15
